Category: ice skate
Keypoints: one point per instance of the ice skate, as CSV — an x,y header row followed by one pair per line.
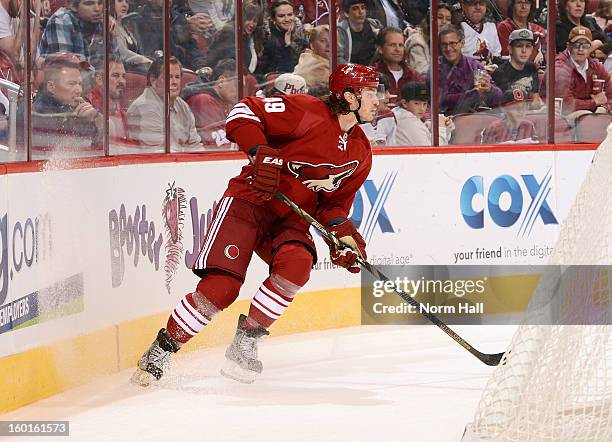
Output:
x,y
155,362
242,364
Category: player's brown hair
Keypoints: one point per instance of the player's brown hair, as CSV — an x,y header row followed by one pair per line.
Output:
x,y
336,106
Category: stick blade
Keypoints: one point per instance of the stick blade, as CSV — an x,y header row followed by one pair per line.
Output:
x,y
492,360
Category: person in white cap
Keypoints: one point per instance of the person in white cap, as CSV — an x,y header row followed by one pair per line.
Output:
x,y
286,84
289,84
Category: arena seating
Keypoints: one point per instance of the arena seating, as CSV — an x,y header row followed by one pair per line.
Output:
x,y
591,128
469,127
563,131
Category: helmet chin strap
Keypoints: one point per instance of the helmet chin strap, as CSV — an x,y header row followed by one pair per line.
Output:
x,y
356,111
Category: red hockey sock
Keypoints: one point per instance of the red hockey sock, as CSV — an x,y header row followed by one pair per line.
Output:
x,y
214,293
268,305
290,270
189,317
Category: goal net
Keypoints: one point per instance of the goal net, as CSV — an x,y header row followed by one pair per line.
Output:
x,y
555,382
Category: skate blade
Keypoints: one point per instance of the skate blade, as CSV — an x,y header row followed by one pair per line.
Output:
x,y
142,378
234,371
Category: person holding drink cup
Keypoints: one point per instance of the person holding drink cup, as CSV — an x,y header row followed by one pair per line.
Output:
x,y
465,85
599,85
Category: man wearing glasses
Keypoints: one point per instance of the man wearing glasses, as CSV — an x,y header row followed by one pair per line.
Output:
x,y
465,86
582,81
481,39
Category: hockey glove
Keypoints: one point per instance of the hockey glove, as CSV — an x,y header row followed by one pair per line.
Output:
x,y
346,232
267,165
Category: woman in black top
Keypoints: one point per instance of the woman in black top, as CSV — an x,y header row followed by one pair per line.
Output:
x,y
572,13
285,39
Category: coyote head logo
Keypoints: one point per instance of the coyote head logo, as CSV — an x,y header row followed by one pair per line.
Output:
x,y
322,177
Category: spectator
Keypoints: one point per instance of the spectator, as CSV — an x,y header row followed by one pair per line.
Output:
x,y
390,43
313,64
212,104
357,33
9,72
277,83
62,88
465,86
146,114
581,81
381,130
12,28
220,12
76,28
127,45
199,23
117,127
288,84
284,41
481,40
513,128
415,11
603,15
409,114
417,44
521,15
518,72
61,93
148,26
224,42
388,12
573,13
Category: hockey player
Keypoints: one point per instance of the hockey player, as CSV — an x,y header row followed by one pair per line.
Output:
x,y
314,152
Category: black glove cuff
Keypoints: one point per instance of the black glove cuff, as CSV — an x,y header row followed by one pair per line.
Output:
x,y
335,221
253,150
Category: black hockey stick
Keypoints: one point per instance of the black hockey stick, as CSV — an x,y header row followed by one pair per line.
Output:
x,y
489,359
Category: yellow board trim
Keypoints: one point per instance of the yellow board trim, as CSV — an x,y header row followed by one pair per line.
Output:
x,y
42,372
51,369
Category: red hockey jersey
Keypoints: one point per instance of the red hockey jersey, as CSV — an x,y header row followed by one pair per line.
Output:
x,y
323,166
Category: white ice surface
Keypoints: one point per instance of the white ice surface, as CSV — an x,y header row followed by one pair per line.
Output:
x,y
388,383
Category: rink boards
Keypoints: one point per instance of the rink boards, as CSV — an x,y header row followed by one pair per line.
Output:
x,y
93,258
